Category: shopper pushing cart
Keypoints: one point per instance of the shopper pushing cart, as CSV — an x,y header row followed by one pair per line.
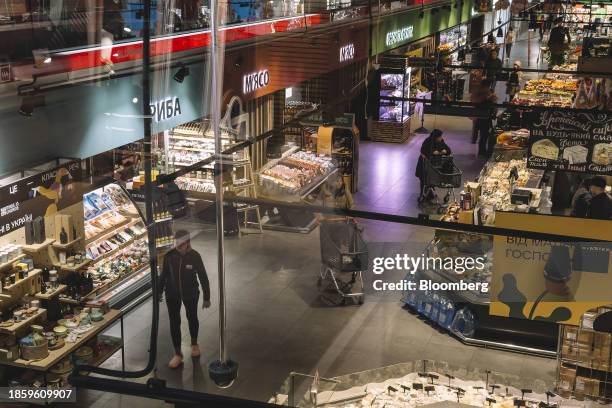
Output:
x,y
436,169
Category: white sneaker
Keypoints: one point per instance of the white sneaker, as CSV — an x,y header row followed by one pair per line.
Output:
x,y
176,361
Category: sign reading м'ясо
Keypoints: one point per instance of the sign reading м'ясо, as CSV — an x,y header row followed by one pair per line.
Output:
x,y
399,36
255,81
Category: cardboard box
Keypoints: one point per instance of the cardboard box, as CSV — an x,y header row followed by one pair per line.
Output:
x,y
592,388
585,337
580,388
569,351
570,333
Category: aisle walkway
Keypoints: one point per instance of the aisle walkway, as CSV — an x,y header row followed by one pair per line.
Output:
x,y
386,170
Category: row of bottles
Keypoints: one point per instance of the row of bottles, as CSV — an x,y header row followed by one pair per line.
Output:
x,y
441,310
164,235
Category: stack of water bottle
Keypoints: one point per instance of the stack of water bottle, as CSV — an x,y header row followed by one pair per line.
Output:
x,y
441,310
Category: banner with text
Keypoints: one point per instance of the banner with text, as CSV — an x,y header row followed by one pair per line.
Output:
x,y
567,141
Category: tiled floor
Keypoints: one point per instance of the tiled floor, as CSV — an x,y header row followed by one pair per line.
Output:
x,y
276,322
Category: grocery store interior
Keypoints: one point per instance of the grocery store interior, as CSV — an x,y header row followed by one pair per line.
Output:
x,y
208,203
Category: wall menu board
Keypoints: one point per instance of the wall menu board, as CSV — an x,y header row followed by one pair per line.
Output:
x,y
39,195
566,141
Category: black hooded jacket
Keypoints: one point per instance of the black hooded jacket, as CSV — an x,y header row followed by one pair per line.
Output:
x,y
178,276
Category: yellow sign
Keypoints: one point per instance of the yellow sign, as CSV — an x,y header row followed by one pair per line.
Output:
x,y
552,281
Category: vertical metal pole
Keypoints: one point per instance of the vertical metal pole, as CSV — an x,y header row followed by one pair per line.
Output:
x,y
215,119
146,109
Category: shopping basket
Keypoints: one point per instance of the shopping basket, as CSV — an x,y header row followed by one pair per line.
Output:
x,y
441,172
344,256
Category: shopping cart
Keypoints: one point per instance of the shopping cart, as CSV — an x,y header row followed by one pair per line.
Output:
x,y
440,172
344,255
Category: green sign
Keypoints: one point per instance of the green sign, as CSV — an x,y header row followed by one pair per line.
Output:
x,y
402,28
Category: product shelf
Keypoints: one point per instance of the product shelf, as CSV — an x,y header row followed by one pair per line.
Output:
x,y
74,268
10,263
119,247
38,247
57,355
40,313
67,245
51,294
110,231
31,274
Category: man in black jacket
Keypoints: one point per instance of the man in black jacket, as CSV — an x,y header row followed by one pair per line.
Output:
x,y
178,278
600,206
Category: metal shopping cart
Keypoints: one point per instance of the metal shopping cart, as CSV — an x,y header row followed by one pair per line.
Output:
x,y
344,256
441,172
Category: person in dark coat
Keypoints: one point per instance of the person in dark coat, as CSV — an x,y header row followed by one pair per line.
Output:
x,y
182,268
433,146
581,199
600,206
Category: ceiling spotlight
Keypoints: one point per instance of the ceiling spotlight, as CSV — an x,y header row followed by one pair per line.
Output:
x,y
134,100
127,29
181,74
47,60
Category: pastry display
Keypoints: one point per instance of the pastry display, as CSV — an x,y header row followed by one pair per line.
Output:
x,y
516,139
294,172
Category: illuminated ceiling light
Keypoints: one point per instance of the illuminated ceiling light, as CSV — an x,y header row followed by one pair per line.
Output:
x,y
47,60
134,100
127,29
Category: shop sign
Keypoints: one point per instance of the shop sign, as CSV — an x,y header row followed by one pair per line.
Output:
x,y
568,141
5,73
400,28
165,109
39,195
347,52
255,81
399,36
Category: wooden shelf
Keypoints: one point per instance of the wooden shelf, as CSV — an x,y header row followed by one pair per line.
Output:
x,y
11,262
24,323
38,247
67,244
57,355
31,274
74,268
49,295
107,231
120,247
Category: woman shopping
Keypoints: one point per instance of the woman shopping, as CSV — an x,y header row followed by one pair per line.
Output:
x,y
433,146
